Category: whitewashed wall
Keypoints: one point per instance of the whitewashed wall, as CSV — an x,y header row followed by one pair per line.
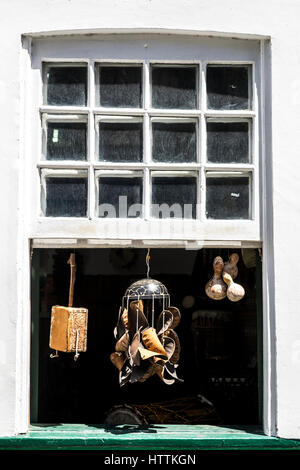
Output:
x,y
278,19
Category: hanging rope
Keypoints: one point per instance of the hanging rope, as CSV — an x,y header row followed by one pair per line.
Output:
x,y
148,262
137,315
152,311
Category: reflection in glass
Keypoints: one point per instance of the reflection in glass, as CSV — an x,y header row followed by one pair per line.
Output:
x,y
174,197
66,141
67,86
121,142
227,198
121,87
174,87
66,197
228,87
120,197
228,142
174,142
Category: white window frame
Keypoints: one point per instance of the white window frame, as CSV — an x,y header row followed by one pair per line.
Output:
x,y
37,232
199,231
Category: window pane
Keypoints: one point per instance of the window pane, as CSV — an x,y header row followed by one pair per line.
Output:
x,y
66,197
174,142
228,87
121,142
66,141
121,87
227,198
120,197
228,142
174,87
171,194
67,86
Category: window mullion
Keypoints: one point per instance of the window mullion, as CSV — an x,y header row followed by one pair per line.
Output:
x,y
91,141
201,196
147,141
147,160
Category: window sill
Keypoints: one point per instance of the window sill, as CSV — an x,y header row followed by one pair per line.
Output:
x,y
133,437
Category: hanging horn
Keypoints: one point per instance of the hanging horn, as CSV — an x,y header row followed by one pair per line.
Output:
x,y
138,372
118,359
151,341
146,354
136,317
123,343
120,328
134,353
169,345
164,321
176,316
176,354
125,319
170,371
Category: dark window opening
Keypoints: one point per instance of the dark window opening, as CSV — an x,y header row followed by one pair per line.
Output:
x,y
220,340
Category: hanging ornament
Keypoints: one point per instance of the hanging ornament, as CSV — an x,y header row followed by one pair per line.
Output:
x,y
216,287
230,266
235,292
221,284
146,345
68,330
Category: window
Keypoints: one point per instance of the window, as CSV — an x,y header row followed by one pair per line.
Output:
x,y
152,144
148,140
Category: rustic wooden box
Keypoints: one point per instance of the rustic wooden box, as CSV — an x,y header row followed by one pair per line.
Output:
x,y
68,330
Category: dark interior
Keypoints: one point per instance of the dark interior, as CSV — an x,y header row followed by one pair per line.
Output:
x,y
220,340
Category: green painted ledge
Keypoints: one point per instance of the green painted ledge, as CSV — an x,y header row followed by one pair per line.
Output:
x,y
152,437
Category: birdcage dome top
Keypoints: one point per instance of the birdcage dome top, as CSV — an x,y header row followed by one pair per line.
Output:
x,y
146,288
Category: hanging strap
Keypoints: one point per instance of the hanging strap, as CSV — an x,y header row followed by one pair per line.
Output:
x,y
76,347
72,263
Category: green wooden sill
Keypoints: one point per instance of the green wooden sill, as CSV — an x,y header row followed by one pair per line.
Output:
x,y
133,437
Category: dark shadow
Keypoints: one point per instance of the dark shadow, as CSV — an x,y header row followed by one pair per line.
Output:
x,y
127,428
46,425
249,429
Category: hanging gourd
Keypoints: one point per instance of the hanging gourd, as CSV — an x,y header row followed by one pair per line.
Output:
x,y
230,266
216,287
146,346
235,292
221,284
68,330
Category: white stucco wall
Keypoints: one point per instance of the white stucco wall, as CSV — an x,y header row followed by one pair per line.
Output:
x,y
278,19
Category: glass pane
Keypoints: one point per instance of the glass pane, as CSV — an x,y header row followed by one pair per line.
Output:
x,y
174,197
121,142
174,142
121,87
174,87
66,197
228,87
67,86
227,198
120,197
66,141
228,142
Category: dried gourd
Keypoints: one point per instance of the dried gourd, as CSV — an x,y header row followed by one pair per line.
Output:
x,y
230,266
216,288
235,292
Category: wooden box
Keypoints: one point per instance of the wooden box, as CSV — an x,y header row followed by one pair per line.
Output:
x,y
68,330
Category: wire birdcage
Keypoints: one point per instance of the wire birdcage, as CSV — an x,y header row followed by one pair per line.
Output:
x,y
146,342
